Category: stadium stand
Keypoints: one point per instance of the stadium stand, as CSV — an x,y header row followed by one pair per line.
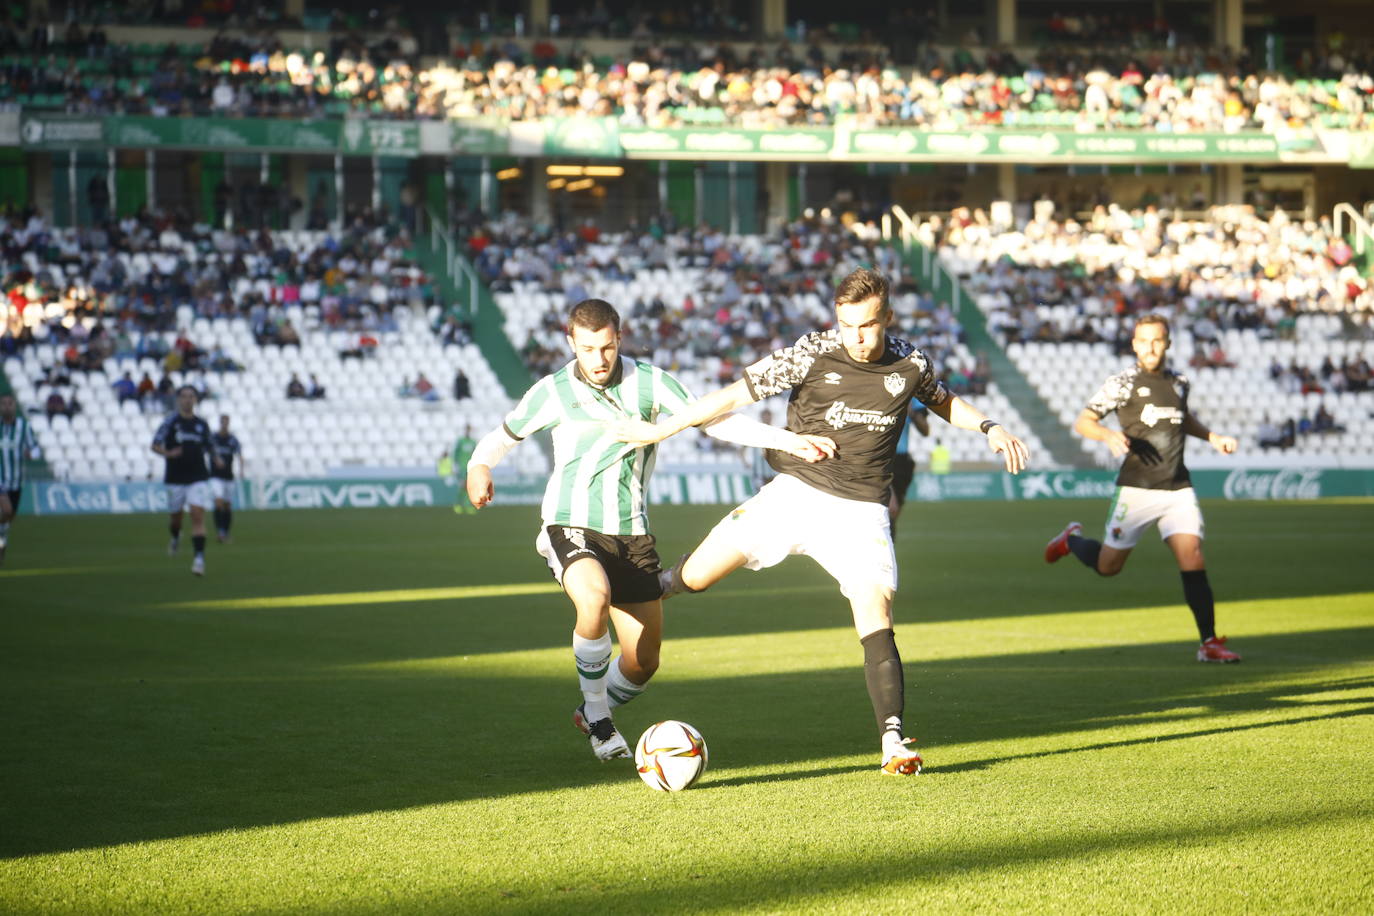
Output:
x,y
1169,90
1271,321
703,304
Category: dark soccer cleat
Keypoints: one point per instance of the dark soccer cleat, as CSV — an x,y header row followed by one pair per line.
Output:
x,y
1058,547
1214,650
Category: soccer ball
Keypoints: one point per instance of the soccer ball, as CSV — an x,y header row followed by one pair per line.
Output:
x,y
670,756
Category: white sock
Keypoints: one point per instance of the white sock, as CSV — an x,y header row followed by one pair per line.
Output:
x,y
593,658
619,688
892,736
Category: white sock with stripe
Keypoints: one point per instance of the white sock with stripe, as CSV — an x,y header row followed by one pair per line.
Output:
x,y
619,688
593,658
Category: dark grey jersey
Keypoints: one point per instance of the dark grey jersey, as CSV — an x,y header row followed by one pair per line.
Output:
x,y
861,406
1151,407
192,436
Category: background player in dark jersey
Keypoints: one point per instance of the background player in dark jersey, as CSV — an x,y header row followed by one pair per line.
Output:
x,y
184,440
1151,403
904,464
853,384
224,448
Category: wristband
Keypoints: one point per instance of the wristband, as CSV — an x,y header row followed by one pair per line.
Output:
x,y
986,426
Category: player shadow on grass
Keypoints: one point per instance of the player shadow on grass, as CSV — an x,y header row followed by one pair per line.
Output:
x,y
230,746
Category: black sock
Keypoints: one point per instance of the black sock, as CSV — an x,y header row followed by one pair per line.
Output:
x,y
1197,591
198,542
228,518
883,675
175,529
1086,549
220,524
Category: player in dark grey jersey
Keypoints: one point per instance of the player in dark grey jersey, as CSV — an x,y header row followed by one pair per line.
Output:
x,y
1151,403
853,384
184,440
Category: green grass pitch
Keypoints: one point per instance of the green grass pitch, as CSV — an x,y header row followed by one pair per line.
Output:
x,y
368,712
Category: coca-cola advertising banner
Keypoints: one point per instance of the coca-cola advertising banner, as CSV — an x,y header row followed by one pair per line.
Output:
x,y
1241,483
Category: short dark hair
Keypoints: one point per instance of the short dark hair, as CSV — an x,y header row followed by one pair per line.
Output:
x,y
593,315
190,388
861,284
1154,318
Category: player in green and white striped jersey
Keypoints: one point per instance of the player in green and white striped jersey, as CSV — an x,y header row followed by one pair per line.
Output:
x,y
595,533
17,442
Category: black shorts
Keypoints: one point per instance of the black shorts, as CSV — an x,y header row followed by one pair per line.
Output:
x,y
630,560
14,499
903,469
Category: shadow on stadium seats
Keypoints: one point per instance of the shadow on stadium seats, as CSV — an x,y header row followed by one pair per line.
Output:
x,y
176,751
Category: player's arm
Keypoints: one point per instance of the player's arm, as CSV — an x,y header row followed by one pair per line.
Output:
x,y
1194,427
746,431
33,452
716,404
494,446
959,413
1089,426
160,445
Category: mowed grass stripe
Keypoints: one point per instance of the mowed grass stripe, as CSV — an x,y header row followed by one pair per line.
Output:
x,y
416,756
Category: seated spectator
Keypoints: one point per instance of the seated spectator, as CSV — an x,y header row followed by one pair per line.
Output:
x,y
56,404
1304,424
314,391
295,389
125,388
287,335
147,390
1269,435
421,388
1288,436
462,388
1324,422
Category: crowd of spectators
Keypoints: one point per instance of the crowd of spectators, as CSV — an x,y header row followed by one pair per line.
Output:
x,y
1189,88
747,295
1232,270
113,290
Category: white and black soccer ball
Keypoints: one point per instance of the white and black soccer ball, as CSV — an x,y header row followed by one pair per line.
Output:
x,y
670,756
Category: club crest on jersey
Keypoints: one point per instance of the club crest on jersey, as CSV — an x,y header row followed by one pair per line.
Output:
x,y
1143,391
894,384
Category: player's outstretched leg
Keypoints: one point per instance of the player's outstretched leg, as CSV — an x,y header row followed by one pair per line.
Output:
x,y
886,691
1058,547
593,716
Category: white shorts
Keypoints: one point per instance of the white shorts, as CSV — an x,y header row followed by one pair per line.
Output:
x,y
221,489
181,495
1134,509
850,539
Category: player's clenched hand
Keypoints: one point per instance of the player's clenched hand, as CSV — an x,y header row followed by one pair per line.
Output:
x,y
1117,442
1224,444
480,489
637,432
1012,449
812,448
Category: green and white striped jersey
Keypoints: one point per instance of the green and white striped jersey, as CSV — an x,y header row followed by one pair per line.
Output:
x,y
16,440
597,482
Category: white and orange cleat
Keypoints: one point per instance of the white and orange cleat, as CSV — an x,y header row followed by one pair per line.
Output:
x,y
1058,547
901,759
1214,650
